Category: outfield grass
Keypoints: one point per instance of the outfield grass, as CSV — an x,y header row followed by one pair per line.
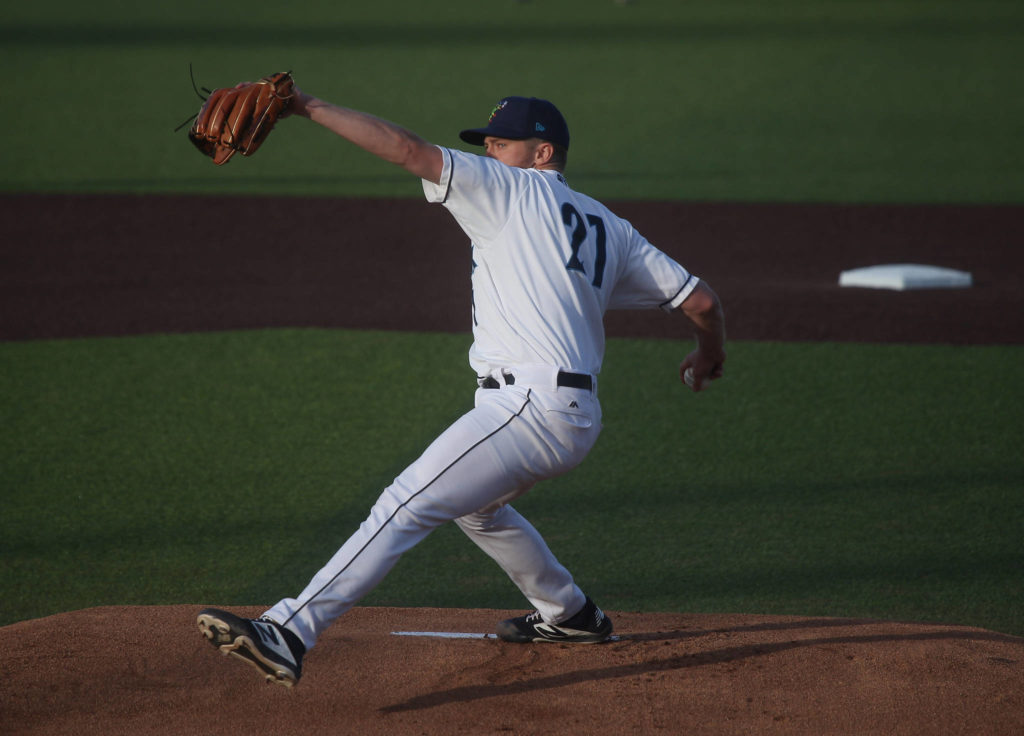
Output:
x,y
811,100
821,479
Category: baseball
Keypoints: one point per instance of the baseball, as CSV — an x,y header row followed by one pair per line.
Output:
x,y
688,379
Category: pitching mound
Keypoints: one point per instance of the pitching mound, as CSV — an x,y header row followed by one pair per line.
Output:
x,y
147,670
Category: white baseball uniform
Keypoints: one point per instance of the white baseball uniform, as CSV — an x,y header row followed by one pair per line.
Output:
x,y
547,262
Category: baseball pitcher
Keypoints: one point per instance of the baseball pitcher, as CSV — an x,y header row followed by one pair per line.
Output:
x,y
547,262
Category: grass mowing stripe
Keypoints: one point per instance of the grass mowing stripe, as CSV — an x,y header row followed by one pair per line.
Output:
x,y
795,100
821,479
209,453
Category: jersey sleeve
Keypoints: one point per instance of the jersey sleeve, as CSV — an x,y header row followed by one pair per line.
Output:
x,y
438,193
480,192
650,278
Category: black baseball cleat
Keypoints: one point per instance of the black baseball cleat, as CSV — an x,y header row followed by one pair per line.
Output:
x,y
588,626
269,647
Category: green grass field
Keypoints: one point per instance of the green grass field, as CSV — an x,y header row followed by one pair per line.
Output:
x,y
840,100
825,479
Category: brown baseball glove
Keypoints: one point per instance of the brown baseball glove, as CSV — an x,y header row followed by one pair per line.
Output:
x,y
239,119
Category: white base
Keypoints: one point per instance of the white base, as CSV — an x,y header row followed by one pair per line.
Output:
x,y
901,276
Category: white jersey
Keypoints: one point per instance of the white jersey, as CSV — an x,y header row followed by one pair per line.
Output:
x,y
547,263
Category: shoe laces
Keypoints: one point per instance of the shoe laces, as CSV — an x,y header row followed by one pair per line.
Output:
x,y
531,617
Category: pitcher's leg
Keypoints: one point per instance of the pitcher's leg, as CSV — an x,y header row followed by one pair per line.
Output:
x,y
518,548
474,463
357,567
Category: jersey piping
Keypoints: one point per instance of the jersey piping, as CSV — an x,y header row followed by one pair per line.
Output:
x,y
675,296
451,170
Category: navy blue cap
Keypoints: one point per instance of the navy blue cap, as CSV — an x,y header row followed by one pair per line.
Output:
x,y
519,118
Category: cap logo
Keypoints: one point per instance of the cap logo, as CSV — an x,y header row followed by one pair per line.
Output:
x,y
497,108
540,128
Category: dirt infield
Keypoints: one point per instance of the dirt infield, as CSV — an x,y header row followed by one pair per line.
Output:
x,y
80,266
73,266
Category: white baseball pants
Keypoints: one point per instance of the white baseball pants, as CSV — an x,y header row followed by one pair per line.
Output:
x,y
515,436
